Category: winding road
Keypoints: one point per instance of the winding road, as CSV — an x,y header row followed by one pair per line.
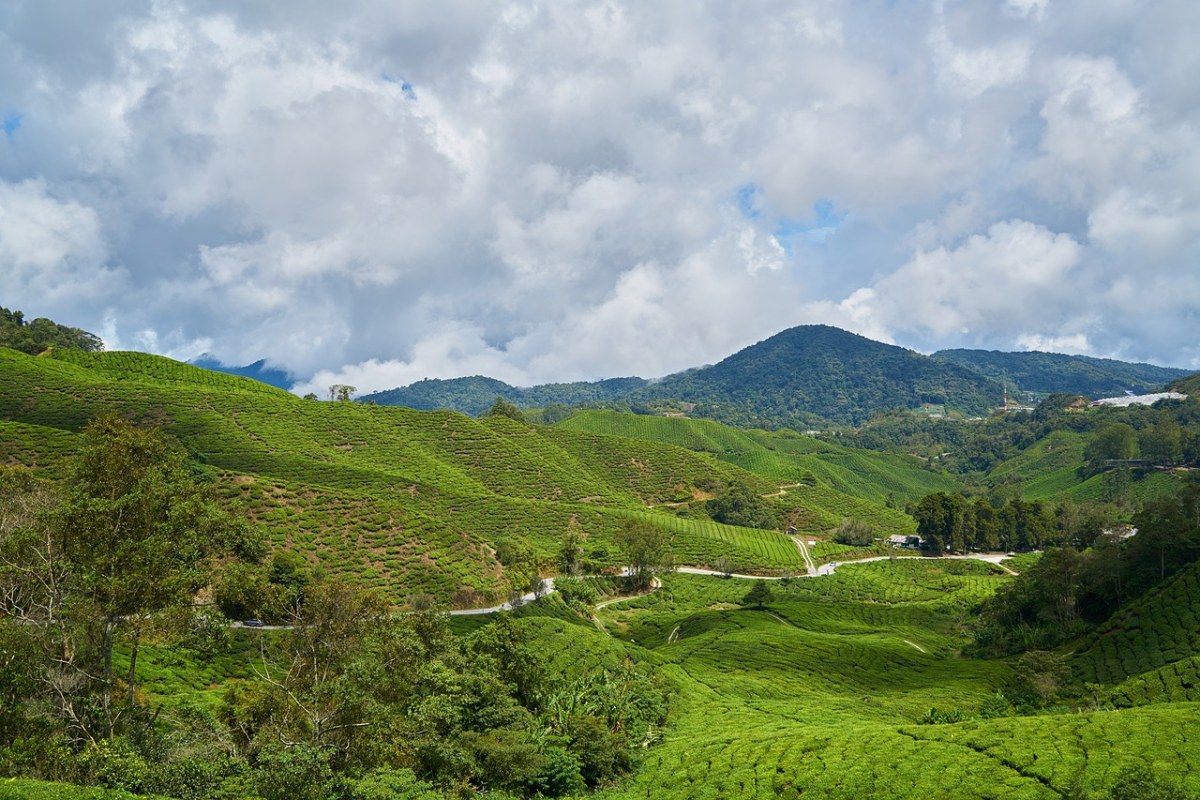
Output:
x,y
814,571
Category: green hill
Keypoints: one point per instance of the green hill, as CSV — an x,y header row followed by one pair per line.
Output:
x,y
1189,385
807,375
1049,373
782,455
475,395
400,499
832,689
815,371
1146,640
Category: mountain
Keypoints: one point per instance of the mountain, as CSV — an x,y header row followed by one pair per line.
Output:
x,y
258,371
819,372
475,394
804,376
1054,372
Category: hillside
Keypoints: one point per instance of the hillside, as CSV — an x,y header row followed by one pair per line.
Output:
x,y
1189,385
818,371
855,685
1048,373
475,394
784,455
400,499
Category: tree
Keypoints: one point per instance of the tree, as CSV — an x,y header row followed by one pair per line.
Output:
x,y
1038,676
758,596
315,704
342,392
1113,442
724,565
1162,444
741,506
854,531
571,549
647,549
134,534
945,521
503,408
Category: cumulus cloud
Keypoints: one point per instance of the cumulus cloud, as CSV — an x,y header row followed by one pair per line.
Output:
x,y
374,193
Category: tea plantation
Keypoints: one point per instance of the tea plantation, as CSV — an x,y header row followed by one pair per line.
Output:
x,y
409,501
865,683
831,689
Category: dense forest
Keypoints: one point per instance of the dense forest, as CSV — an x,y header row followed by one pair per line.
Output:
x,y
1050,373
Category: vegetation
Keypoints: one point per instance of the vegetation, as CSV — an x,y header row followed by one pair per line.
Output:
x,y
144,503
475,395
1051,373
815,372
38,335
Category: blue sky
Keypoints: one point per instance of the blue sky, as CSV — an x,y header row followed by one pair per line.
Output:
x,y
375,192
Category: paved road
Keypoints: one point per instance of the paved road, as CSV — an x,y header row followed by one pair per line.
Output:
x,y
832,566
814,572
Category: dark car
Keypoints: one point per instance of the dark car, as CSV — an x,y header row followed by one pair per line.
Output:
x,y
252,623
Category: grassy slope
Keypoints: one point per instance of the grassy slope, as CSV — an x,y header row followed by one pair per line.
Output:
x,y
1049,469
849,482
821,694
403,500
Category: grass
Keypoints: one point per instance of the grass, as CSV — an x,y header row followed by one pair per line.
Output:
x,y
25,789
400,500
823,693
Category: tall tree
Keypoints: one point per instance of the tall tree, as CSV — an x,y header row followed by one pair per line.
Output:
x,y
647,549
135,533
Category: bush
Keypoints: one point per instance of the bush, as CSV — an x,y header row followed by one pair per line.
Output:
x,y
854,532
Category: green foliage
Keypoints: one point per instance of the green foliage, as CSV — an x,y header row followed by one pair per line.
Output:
x,y
1047,373
738,505
476,394
854,532
758,596
35,336
814,371
647,552
503,408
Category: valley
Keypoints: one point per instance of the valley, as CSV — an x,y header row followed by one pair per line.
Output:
x,y
777,645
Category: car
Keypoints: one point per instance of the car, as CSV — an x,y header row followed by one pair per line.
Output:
x,y
253,623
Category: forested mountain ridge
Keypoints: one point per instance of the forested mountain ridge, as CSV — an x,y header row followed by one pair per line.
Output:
x,y
259,371
804,376
475,395
817,371
1047,373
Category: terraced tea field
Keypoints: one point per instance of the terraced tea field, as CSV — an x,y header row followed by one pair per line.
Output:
x,y
401,500
784,456
826,693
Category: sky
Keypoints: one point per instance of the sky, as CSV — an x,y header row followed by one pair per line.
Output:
x,y
378,192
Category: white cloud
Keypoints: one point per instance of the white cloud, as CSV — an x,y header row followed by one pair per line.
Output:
x,y
385,192
998,281
52,253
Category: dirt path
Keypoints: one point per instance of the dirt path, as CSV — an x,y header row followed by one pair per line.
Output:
x,y
914,644
809,564
783,487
